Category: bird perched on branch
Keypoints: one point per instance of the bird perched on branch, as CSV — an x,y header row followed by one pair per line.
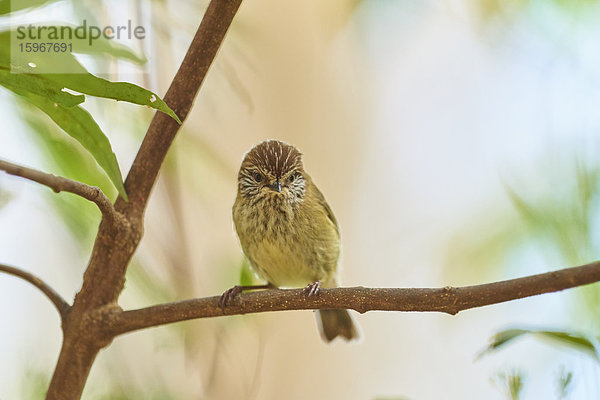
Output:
x,y
287,230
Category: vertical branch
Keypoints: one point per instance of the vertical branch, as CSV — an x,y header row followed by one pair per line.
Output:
x,y
103,281
179,97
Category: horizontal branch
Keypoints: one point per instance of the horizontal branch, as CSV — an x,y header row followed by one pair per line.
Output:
x,y
60,184
61,305
449,300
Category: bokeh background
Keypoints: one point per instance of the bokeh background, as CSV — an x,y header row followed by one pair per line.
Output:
x,y
456,142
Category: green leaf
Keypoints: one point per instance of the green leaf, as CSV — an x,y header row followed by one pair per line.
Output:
x,y
39,85
46,91
64,71
8,6
571,340
68,157
80,125
123,91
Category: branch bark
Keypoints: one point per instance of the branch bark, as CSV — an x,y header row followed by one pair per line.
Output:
x,y
104,278
179,97
59,184
61,305
450,300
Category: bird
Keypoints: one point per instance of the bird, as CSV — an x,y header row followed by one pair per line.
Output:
x,y
287,230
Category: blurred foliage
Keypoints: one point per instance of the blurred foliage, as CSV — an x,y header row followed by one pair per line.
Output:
x,y
34,384
247,275
565,383
482,248
511,383
562,218
557,213
68,159
576,342
510,10
8,6
5,197
148,284
557,208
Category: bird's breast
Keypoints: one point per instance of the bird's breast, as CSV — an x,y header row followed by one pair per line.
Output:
x,y
285,246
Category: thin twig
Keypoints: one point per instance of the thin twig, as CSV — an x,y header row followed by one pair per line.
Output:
x,y
61,305
59,184
450,300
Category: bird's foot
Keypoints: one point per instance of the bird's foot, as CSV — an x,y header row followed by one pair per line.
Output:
x,y
229,295
312,289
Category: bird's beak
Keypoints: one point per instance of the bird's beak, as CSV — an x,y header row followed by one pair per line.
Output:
x,y
276,186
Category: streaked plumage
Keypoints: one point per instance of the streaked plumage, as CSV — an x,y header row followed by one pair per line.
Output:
x,y
286,228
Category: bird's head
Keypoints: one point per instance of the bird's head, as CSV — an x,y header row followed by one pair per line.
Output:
x,y
272,170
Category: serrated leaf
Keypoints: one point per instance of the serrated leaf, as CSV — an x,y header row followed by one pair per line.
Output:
x,y
80,125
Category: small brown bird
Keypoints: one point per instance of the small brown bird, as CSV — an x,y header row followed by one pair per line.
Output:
x,y
287,230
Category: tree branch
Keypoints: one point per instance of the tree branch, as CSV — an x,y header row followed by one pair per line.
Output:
x,y
60,184
450,300
61,305
180,97
104,278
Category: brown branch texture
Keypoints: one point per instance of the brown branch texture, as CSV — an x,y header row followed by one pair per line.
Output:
x,y
104,278
450,300
59,184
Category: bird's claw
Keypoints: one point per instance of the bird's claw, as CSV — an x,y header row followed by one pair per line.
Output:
x,y
312,289
229,295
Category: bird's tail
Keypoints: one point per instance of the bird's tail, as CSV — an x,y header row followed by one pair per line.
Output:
x,y
334,323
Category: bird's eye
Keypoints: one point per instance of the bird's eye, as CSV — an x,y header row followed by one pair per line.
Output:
x,y
292,178
257,177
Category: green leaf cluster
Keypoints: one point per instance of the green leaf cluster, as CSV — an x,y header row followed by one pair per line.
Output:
x,y
59,96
